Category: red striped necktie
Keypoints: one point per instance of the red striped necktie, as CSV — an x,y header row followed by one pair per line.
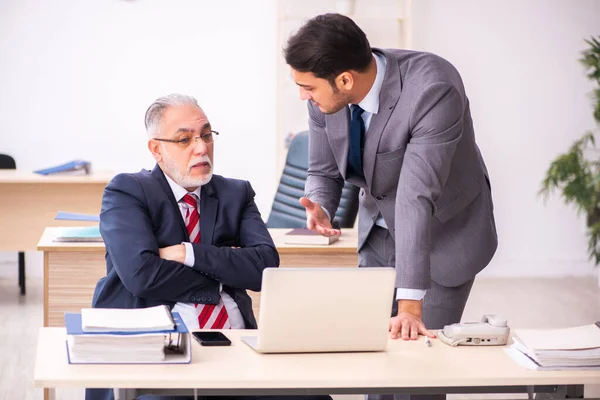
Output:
x,y
210,316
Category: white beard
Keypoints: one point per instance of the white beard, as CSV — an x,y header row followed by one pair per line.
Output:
x,y
185,180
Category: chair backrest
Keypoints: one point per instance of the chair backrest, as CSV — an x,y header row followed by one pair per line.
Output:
x,y
7,162
286,211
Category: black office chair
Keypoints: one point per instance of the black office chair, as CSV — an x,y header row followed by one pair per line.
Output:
x,y
7,162
286,211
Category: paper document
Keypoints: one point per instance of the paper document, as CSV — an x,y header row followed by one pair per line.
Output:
x,y
151,319
570,348
580,337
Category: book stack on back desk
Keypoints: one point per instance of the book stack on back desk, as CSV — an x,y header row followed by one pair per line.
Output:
x,y
137,341
78,233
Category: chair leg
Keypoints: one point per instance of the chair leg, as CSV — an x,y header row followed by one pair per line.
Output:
x,y
22,272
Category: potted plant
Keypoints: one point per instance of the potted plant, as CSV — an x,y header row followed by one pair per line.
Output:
x,y
576,173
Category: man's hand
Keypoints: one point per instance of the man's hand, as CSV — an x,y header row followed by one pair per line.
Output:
x,y
173,253
316,219
408,323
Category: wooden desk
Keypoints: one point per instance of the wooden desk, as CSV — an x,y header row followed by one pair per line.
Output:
x,y
71,270
29,202
406,367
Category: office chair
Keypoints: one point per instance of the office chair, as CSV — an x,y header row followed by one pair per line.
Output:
x,y
286,211
7,162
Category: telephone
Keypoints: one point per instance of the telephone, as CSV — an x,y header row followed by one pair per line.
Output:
x,y
491,331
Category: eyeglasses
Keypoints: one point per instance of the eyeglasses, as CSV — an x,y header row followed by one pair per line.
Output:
x,y
185,141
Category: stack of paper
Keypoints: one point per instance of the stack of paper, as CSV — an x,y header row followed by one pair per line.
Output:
x,y
151,319
570,348
127,336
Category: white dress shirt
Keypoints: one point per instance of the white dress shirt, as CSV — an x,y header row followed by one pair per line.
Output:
x,y
371,106
187,311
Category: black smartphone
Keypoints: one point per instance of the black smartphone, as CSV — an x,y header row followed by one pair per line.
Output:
x,y
212,338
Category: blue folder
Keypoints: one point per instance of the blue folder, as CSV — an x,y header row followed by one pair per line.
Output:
x,y
179,353
67,216
73,325
75,165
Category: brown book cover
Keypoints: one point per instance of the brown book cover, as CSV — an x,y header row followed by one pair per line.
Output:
x,y
306,236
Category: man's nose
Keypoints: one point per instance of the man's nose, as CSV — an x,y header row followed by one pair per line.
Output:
x,y
304,95
199,147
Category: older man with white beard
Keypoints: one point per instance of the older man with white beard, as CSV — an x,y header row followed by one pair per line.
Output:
x,y
179,235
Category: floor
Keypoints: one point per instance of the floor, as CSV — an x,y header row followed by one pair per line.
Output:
x,y
526,303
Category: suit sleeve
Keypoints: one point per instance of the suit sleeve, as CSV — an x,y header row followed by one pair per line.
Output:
x,y
324,182
240,267
437,123
126,228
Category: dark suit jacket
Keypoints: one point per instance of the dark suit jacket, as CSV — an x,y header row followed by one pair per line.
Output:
x,y
140,215
423,172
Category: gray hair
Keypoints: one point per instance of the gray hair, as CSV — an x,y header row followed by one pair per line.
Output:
x,y
156,110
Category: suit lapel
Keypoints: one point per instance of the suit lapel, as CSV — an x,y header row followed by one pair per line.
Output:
x,y
388,97
337,130
208,213
160,177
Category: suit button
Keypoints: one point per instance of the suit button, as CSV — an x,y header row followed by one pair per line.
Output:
x,y
379,197
192,299
362,192
204,299
209,299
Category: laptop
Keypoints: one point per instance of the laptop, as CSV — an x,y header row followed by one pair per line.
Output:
x,y
312,310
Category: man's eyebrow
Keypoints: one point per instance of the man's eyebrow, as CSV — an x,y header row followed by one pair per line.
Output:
x,y
303,85
188,130
184,130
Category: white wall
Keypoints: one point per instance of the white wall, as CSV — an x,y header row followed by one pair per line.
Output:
x,y
529,99
76,78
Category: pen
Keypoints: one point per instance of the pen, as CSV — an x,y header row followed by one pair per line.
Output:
x,y
427,341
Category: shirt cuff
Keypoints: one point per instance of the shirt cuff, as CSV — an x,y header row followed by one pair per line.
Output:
x,y
326,213
410,294
189,254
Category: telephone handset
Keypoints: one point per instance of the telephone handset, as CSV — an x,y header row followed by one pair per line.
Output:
x,y
491,331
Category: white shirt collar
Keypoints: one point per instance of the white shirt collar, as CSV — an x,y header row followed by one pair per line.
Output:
x,y
371,101
180,191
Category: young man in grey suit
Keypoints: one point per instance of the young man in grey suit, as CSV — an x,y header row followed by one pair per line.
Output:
x,y
397,124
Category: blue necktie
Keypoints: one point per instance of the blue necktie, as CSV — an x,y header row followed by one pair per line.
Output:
x,y
357,133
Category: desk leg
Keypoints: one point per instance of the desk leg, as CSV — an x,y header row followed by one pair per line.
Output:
x,y
50,394
22,272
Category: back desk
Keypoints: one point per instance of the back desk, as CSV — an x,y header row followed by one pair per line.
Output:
x,y
29,202
71,270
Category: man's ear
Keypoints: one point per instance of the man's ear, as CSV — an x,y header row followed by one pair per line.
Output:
x,y
345,81
156,150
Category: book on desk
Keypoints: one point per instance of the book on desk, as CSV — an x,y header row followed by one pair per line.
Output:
x,y
171,346
78,234
557,349
308,237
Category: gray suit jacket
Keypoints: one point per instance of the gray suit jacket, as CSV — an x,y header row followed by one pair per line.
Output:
x,y
423,172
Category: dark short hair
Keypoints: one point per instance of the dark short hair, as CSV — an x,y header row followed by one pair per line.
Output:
x,y
328,45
